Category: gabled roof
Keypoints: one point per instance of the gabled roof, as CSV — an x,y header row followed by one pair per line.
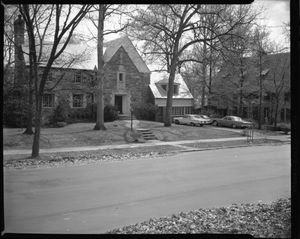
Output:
x,y
86,55
158,78
271,63
79,56
111,47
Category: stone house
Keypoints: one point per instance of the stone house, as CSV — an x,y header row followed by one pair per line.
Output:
x,y
128,80
275,69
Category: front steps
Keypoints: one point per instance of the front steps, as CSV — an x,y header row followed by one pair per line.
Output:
x,y
126,117
147,134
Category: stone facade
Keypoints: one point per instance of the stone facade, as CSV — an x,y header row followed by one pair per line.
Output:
x,y
124,86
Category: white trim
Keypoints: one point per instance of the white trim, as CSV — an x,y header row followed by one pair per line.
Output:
x,y
53,101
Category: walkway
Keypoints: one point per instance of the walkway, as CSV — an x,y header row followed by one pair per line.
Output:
x,y
284,138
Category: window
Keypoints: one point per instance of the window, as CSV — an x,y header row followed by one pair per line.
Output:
x,y
175,88
77,101
121,81
164,87
177,110
120,76
77,77
48,100
188,110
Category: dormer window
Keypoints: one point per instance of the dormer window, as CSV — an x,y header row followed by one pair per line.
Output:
x,y
175,89
165,87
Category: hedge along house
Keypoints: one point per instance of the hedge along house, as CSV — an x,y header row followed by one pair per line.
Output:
x,y
182,98
73,78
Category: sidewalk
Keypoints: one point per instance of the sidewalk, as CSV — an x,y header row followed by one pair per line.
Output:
x,y
283,138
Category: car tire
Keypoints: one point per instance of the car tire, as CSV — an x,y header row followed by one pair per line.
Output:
x,y
192,124
215,123
234,126
177,122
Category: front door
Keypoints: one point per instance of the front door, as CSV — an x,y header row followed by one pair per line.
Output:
x,y
119,102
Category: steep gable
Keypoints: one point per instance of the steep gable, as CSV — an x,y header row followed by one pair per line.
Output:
x,y
111,47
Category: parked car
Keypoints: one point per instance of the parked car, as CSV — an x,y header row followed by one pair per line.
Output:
x,y
189,119
231,121
208,120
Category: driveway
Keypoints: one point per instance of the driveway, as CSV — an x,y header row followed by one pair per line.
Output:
x,y
100,197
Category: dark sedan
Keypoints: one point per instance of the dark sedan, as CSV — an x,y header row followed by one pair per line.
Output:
x,y
231,121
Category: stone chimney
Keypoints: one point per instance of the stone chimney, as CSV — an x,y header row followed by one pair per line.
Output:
x,y
19,29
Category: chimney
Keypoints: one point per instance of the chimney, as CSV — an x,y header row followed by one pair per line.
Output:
x,y
19,29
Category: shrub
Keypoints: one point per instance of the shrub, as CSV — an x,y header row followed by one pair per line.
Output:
x,y
285,127
61,111
61,124
145,111
15,104
110,113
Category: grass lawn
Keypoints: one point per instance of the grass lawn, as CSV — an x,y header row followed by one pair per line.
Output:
x,y
81,134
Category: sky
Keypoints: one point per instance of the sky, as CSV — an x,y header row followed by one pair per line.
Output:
x,y
277,12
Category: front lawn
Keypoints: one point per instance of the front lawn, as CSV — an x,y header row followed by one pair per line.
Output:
x,y
82,134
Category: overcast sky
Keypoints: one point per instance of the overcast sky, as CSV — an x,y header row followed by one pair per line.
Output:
x,y
278,12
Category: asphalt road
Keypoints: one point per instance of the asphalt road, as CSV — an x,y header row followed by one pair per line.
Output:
x,y
100,197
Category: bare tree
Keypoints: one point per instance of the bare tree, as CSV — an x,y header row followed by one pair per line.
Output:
x,y
64,25
261,47
105,12
170,30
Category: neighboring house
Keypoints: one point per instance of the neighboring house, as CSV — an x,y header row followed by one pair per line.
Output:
x,y
182,98
275,77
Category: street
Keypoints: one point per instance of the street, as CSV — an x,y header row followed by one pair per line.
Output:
x,y
100,197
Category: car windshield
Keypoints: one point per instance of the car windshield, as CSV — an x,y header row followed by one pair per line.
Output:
x,y
204,117
197,116
237,119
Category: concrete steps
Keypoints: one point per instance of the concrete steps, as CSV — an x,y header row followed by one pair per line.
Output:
x,y
126,117
147,134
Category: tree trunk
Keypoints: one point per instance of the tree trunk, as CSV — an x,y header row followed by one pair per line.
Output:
x,y
240,113
30,105
203,80
276,113
100,73
37,133
168,115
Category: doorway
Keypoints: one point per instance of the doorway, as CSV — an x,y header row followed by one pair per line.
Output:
x,y
119,103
